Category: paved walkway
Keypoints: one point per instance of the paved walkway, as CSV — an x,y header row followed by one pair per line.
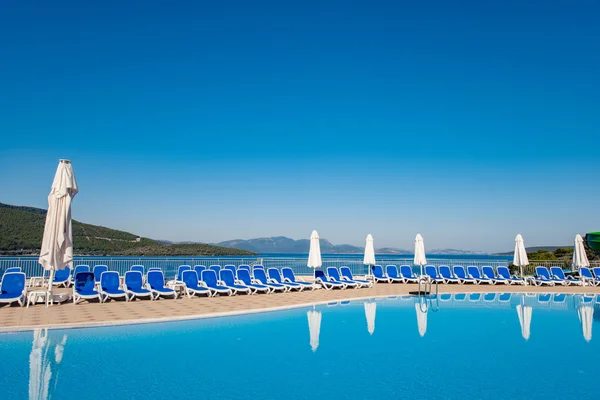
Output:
x,y
120,312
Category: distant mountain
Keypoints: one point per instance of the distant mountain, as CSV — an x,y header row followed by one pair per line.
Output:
x,y
532,250
21,230
454,252
282,244
392,250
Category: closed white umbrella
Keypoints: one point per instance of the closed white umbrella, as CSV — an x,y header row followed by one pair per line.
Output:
x,y
314,252
314,327
421,309
369,258
420,259
524,313
370,310
586,315
57,243
579,255
520,257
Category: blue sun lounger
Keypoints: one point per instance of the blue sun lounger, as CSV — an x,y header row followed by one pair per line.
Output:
x,y
98,270
596,271
275,277
379,275
155,281
288,276
209,277
542,277
62,277
488,272
321,278
110,283
192,285
84,287
78,269
586,276
261,277
199,269
392,274
347,275
227,278
459,272
558,273
231,268
216,268
447,275
134,286
504,272
474,273
431,272
180,270
406,272
244,277
12,288
333,275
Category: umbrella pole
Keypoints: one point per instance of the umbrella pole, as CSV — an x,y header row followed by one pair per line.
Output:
x,y
50,279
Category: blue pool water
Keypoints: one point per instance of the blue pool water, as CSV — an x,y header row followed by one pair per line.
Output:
x,y
453,347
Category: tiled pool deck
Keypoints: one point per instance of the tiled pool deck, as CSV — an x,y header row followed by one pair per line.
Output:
x,y
67,315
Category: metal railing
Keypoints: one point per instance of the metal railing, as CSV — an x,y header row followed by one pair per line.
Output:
x,y
31,267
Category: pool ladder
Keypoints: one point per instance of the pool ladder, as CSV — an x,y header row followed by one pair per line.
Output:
x,y
427,284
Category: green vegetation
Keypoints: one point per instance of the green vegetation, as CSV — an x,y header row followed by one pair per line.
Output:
x,y
21,230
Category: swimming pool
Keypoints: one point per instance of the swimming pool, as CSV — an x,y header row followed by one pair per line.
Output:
x,y
494,346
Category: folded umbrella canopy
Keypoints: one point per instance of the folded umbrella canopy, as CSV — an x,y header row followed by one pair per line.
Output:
x,y
57,243
520,258
579,255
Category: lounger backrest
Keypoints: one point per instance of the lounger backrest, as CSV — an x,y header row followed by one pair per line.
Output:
x,y
274,274
80,268
597,272
406,271
209,276
156,279
346,273
333,273
473,271
244,276
84,281
109,280
139,268
503,272
190,278
227,277
231,268
260,275
431,271
445,271
180,271
585,272
13,283
216,268
542,272
319,274
488,271
133,280
98,270
12,269
544,298
459,271
489,296
378,271
199,269
288,273
559,298
391,271
244,266
558,272
62,275
155,269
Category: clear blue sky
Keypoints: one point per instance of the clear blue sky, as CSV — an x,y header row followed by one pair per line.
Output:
x,y
467,122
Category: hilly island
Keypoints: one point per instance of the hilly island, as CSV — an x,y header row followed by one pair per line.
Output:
x,y
21,230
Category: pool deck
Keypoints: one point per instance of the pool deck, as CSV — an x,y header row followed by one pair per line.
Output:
x,y
84,314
